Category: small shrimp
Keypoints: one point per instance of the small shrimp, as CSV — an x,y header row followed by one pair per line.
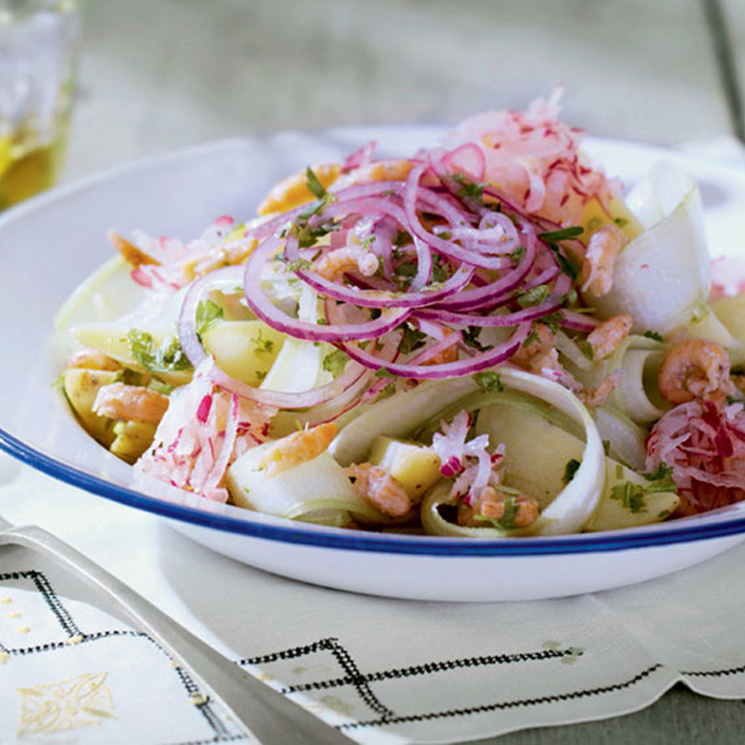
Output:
x,y
492,504
381,170
134,256
334,264
600,259
539,351
92,359
695,368
293,191
297,448
594,397
605,338
224,255
379,489
124,402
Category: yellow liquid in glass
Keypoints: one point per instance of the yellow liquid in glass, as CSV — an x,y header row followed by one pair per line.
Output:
x,y
27,168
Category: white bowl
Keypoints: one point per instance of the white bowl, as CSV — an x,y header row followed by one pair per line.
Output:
x,y
49,244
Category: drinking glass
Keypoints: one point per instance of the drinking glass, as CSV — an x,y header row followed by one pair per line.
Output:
x,y
39,41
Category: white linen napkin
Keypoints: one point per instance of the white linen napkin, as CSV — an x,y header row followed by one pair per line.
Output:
x,y
383,670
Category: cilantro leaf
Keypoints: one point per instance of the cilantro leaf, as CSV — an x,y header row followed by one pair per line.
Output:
x,y
533,296
167,356
412,339
208,313
314,185
563,234
488,380
631,496
571,469
335,362
653,335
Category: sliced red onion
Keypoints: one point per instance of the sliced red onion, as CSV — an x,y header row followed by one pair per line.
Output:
x,y
459,368
263,307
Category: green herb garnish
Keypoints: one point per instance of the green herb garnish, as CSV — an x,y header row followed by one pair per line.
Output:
x,y
165,357
335,362
488,380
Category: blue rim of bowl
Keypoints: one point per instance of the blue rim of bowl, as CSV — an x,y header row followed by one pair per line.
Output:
x,y
337,538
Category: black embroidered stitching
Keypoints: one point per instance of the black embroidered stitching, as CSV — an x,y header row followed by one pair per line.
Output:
x,y
715,673
435,667
50,598
353,675
501,705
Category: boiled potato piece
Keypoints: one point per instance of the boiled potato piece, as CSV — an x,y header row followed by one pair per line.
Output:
x,y
132,439
414,466
245,350
81,387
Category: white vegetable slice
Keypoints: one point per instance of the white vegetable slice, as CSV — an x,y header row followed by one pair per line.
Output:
x,y
316,490
662,277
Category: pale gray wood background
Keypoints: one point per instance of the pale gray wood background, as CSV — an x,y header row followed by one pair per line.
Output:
x,y
161,74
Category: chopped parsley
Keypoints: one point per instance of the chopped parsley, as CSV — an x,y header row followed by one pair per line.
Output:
x,y
661,478
383,372
386,392
517,254
585,347
533,296
208,313
167,356
469,189
262,345
335,362
564,234
653,335
571,469
471,338
314,185
412,339
298,264
631,496
488,380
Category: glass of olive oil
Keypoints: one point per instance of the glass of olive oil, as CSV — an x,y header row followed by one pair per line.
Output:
x,y
39,41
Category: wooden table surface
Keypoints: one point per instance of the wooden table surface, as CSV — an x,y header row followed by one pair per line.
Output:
x,y
158,75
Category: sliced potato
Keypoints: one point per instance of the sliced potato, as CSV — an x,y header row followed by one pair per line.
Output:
x,y
81,387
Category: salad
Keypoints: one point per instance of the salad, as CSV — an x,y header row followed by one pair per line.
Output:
x,y
482,339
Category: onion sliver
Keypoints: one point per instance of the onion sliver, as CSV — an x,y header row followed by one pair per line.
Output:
x,y
456,369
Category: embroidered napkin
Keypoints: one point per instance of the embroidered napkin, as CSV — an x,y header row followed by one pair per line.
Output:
x,y
384,671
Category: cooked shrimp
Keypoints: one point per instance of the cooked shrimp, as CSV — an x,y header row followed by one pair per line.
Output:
x,y
539,351
124,402
381,170
600,259
92,359
348,259
605,338
132,255
293,191
492,504
297,448
594,397
228,254
695,368
379,489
